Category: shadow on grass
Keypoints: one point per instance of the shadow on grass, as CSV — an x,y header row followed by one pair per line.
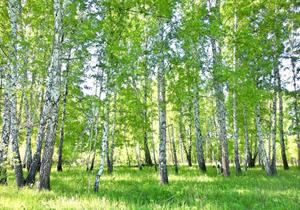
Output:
x,y
251,190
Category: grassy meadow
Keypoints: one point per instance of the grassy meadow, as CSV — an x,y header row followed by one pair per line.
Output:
x,y
129,188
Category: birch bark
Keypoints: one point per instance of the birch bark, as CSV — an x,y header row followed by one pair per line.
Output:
x,y
199,138
12,80
63,117
262,150
53,97
274,128
162,125
246,136
104,146
281,129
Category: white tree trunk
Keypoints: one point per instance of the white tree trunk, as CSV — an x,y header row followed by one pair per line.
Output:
x,y
219,95
53,96
235,136
274,129
246,136
104,145
261,147
12,80
199,138
281,129
4,140
63,117
29,127
235,122
110,166
162,125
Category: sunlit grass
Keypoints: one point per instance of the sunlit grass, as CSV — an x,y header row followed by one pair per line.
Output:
x,y
129,188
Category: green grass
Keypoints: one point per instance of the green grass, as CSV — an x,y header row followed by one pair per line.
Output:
x,y
129,188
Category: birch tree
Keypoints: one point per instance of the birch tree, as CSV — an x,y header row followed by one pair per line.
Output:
x,y
52,97
10,122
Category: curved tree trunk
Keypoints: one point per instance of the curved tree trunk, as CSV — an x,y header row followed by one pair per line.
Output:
x,y
54,96
46,162
62,128
30,179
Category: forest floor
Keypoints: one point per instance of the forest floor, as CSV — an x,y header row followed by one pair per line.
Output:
x,y
129,188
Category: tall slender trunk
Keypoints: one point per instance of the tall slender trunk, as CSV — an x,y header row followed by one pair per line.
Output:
x,y
235,122
110,163
236,137
162,125
94,146
221,115
148,160
54,96
45,108
274,128
270,134
91,139
296,108
62,128
182,138
153,148
246,136
182,152
105,134
12,80
173,147
46,162
174,151
281,129
262,151
220,99
4,140
199,138
190,138
20,112
29,126
95,139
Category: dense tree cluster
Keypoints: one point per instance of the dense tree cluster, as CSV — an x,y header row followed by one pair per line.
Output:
x,y
153,82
